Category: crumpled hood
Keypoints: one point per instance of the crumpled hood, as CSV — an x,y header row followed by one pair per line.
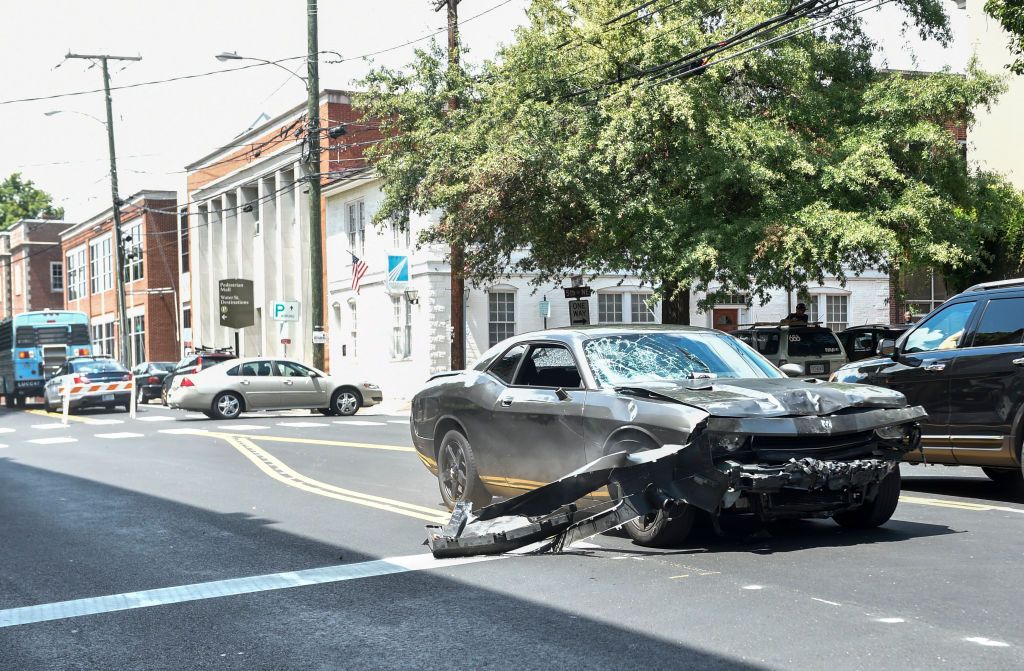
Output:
x,y
772,397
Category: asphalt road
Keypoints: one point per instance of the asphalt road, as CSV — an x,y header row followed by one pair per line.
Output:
x,y
294,541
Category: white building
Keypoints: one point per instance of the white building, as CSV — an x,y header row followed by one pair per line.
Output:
x,y
397,335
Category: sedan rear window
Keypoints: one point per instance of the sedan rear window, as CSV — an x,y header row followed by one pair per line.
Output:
x,y
99,366
629,358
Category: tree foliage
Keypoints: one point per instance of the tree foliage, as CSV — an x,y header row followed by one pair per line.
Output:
x,y
20,199
776,168
1010,13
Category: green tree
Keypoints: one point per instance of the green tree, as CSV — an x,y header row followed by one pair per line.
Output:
x,y
20,199
1010,13
775,168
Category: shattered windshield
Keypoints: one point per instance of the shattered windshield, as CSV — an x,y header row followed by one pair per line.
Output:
x,y
646,357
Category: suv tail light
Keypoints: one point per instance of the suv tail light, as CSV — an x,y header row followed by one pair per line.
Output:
x,y
83,352
152,379
185,382
199,364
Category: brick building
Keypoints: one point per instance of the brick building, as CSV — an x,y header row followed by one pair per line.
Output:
x,y
31,270
149,237
247,218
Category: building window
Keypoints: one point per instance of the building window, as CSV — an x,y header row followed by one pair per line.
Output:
x,y
401,328
501,316
56,276
183,228
100,252
186,317
609,308
639,310
353,315
131,242
836,312
357,228
76,273
103,339
138,339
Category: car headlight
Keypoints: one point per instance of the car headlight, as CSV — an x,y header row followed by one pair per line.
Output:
x,y
894,432
369,385
727,443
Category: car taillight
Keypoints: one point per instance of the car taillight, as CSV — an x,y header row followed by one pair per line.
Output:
x,y
83,352
81,379
126,376
152,379
185,382
24,355
199,363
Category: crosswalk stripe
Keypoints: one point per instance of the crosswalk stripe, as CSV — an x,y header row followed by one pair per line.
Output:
x,y
123,434
357,422
54,441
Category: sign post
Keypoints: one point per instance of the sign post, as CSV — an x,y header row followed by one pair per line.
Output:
x,y
236,306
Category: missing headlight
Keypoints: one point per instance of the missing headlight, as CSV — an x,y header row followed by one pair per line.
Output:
x,y
727,443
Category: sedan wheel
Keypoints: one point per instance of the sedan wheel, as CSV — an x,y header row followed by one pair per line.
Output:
x,y
457,474
346,402
227,405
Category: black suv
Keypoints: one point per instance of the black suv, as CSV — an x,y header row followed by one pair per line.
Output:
x,y
861,342
193,363
964,363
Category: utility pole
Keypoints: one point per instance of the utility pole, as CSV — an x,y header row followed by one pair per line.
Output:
x,y
458,281
122,316
316,265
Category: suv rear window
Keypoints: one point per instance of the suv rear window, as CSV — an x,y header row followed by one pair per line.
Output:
x,y
813,343
765,342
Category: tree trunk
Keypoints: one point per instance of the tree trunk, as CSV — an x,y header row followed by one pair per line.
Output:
x,y
675,304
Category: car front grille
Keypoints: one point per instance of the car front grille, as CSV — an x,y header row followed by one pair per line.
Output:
x,y
783,448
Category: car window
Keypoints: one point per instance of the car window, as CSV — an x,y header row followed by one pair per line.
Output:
x,y
549,366
765,342
1002,323
812,343
162,367
254,369
648,357
505,366
237,370
941,331
99,366
864,342
289,369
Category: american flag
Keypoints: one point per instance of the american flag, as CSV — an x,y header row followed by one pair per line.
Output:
x,y
359,269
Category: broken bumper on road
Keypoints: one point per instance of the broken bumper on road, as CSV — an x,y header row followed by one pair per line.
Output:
x,y
664,479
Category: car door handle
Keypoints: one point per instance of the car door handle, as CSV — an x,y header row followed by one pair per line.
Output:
x,y
244,382
289,382
506,402
935,367
1018,362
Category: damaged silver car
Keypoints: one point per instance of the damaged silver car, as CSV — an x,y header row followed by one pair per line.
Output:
x,y
588,429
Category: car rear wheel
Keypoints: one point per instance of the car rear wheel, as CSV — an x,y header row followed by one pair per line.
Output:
x,y
227,405
346,402
876,512
456,473
660,530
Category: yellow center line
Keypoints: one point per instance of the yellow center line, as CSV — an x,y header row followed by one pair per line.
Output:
x,y
278,470
315,441
960,505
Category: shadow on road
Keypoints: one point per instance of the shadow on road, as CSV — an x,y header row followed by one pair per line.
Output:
x,y
65,537
973,488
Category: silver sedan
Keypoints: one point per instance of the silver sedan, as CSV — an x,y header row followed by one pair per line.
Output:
x,y
228,389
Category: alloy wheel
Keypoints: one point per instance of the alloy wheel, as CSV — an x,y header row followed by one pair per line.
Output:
x,y
228,405
454,475
347,403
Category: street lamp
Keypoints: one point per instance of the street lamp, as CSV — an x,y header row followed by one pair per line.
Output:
x,y
313,170
55,112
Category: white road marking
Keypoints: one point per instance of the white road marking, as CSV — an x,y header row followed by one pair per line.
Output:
x,y
301,425
48,426
54,441
2,446
183,431
398,421
241,427
357,422
753,587
987,642
6,429
97,421
890,620
831,603
155,419
123,434
209,590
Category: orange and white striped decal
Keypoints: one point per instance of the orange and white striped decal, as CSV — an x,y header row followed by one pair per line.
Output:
x,y
99,387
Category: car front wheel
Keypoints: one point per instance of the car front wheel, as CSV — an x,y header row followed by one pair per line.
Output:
x,y
660,530
876,512
456,473
346,402
227,405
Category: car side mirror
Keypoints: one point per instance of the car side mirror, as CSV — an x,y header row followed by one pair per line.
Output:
x,y
792,369
887,347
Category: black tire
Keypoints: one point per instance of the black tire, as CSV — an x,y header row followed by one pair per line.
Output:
x,y
227,405
877,512
1005,476
457,476
47,406
659,530
127,407
19,401
325,411
209,414
346,402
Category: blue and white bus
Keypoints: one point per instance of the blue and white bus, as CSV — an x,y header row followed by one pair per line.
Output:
x,y
33,344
